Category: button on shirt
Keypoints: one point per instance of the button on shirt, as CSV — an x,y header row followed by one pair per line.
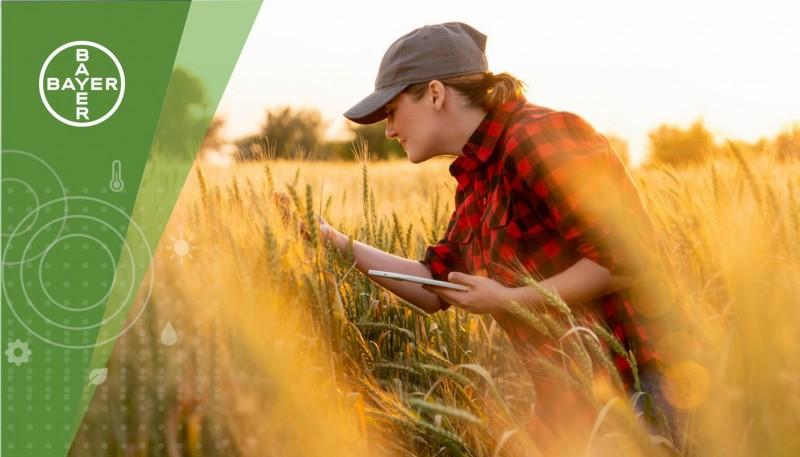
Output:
x,y
525,204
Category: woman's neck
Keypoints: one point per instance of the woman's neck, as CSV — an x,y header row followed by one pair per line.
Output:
x,y
464,123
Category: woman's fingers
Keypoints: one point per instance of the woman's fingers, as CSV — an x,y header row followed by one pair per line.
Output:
x,y
325,229
301,226
452,296
329,233
463,278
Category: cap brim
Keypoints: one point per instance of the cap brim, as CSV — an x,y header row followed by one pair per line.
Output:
x,y
370,110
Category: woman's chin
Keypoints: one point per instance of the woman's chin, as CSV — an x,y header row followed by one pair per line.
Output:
x,y
415,157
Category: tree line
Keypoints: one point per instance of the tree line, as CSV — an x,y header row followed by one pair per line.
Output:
x,y
294,133
299,133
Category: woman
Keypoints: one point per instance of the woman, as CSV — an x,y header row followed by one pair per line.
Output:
x,y
525,201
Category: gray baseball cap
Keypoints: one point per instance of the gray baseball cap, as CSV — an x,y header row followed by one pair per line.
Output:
x,y
431,52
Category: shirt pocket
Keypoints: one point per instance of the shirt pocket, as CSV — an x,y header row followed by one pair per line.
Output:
x,y
509,221
501,237
497,213
461,232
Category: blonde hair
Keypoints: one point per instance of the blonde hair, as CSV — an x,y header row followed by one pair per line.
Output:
x,y
485,90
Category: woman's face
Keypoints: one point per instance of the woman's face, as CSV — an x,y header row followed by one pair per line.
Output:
x,y
415,125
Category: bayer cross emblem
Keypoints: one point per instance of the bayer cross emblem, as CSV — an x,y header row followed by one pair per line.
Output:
x,y
81,83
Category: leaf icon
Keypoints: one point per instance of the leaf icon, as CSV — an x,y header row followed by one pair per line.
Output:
x,y
168,335
98,376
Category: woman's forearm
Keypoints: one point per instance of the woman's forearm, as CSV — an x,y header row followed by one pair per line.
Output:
x,y
371,258
583,281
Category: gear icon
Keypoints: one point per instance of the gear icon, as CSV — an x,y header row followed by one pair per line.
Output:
x,y
18,352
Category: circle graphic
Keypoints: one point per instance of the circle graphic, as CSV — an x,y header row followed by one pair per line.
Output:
x,y
86,88
85,327
108,253
38,179
29,190
24,295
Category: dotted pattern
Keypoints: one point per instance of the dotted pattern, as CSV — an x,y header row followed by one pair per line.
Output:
x,y
75,235
48,233
147,381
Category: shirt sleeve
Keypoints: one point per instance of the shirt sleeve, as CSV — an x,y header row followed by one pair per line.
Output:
x,y
446,256
587,192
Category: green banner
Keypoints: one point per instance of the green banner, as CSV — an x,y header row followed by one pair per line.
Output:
x,y
96,143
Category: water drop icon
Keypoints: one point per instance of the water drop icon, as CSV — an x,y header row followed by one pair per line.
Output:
x,y
168,335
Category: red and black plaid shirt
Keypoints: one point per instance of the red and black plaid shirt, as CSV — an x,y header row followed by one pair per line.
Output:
x,y
528,180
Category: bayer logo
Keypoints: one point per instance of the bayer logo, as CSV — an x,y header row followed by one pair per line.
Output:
x,y
81,83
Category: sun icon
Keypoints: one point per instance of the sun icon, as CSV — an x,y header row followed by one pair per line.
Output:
x,y
181,248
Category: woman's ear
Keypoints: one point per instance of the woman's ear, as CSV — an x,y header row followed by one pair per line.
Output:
x,y
436,92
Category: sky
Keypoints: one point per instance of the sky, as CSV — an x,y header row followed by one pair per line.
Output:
x,y
625,66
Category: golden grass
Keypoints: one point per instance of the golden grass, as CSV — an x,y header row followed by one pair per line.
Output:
x,y
285,349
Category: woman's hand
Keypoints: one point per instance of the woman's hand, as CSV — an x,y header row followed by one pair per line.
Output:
x,y
326,232
485,295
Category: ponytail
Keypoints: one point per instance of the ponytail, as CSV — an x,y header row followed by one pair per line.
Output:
x,y
485,90
502,88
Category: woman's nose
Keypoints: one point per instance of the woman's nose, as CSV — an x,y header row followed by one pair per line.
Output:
x,y
390,131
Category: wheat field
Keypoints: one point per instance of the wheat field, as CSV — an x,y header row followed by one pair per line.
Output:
x,y
285,349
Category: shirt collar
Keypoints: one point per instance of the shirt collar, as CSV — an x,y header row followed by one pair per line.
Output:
x,y
480,147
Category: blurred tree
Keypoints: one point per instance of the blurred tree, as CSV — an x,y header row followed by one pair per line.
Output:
x,y
787,143
184,115
676,146
337,150
380,147
213,139
295,134
621,148
214,147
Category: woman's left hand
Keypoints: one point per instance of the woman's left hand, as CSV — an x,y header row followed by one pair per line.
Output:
x,y
485,295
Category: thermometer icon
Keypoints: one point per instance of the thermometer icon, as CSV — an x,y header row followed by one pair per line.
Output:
x,y
116,183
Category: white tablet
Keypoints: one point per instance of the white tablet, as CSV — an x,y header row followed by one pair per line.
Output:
x,y
417,279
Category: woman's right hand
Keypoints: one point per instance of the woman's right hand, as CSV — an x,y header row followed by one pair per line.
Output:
x,y
326,231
